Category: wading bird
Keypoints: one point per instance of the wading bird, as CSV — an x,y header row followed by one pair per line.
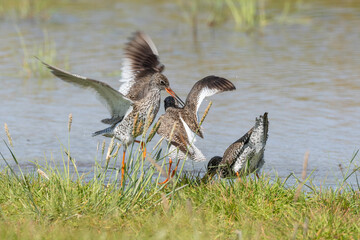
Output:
x,y
140,93
244,156
179,125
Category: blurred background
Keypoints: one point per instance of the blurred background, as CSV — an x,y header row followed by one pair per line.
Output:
x,y
297,60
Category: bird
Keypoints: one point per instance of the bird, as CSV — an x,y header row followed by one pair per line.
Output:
x,y
179,125
244,156
139,96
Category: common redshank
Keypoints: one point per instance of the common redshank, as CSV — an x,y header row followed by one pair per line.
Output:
x,y
184,119
141,94
244,156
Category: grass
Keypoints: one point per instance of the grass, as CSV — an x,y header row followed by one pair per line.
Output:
x,y
248,13
25,9
45,50
59,203
245,15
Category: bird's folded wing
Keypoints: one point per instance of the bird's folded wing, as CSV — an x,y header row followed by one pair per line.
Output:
x,y
172,129
236,149
117,104
191,121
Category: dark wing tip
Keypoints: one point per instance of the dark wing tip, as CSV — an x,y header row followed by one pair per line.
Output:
x,y
143,54
200,133
219,83
55,71
266,124
44,63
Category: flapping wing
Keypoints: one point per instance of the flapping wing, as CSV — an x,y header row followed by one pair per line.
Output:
x,y
206,87
141,58
116,103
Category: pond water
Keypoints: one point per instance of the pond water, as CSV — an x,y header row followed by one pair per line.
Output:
x,y
305,73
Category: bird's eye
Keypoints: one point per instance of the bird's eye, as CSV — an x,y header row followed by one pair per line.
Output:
x,y
162,82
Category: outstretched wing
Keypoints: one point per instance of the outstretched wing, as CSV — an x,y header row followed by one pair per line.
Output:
x,y
116,103
140,58
205,87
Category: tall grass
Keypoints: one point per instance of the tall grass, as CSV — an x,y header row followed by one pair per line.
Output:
x,y
44,50
60,203
248,13
244,14
25,9
99,208
54,192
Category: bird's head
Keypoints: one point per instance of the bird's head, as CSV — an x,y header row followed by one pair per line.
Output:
x,y
170,102
213,168
213,165
161,82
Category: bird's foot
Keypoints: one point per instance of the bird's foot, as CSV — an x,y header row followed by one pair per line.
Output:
x,y
171,173
122,170
143,148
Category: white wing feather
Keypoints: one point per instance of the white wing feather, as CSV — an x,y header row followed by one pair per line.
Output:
x,y
117,104
127,77
190,134
205,92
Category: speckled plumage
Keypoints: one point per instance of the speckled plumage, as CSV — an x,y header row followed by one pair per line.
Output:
x,y
185,119
140,62
142,82
244,156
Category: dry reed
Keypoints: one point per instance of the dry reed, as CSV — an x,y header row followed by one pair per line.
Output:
x,y
70,122
43,174
205,113
303,176
8,135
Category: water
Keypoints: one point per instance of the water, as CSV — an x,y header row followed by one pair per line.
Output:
x,y
305,73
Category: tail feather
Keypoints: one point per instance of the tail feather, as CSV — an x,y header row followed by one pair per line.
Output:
x,y
266,125
107,132
196,154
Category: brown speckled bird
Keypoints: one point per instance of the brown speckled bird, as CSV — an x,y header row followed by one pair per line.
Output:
x,y
140,92
185,121
244,156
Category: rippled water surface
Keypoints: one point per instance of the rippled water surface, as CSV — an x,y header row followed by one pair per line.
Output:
x,y
305,72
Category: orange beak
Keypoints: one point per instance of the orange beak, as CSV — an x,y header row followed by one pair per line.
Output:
x,y
173,94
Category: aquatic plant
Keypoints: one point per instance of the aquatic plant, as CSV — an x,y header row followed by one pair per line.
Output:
x,y
51,204
45,50
24,9
246,14
60,203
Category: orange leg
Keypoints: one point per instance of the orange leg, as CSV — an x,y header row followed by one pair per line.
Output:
x,y
143,148
257,175
123,169
168,177
174,171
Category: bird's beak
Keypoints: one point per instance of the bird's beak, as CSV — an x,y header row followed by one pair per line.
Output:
x,y
173,94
